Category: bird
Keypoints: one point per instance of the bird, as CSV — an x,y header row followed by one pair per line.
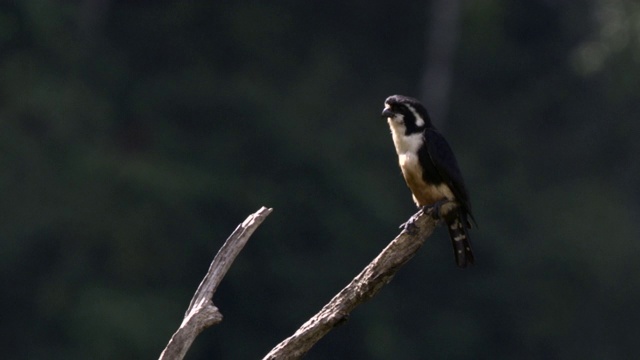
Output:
x,y
431,171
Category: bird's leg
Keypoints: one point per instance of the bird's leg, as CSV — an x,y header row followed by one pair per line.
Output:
x,y
437,206
436,214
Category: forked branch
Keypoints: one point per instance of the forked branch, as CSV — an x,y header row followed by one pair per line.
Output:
x,y
201,312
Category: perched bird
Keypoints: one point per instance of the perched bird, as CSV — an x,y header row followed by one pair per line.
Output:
x,y
430,170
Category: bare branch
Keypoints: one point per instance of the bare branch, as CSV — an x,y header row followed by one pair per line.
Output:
x,y
362,288
201,312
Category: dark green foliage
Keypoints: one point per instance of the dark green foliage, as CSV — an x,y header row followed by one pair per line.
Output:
x,y
133,139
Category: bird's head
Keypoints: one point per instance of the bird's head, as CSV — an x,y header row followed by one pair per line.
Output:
x,y
405,112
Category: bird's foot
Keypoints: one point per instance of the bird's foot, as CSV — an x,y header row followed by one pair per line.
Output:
x,y
410,226
436,207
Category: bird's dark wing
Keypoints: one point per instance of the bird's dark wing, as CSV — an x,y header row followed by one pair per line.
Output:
x,y
447,167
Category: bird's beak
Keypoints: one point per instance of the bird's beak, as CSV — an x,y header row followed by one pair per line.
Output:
x,y
388,113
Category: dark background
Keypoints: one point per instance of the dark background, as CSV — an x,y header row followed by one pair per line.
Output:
x,y
136,135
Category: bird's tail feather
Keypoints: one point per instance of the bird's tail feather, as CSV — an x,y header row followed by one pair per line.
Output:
x,y
460,239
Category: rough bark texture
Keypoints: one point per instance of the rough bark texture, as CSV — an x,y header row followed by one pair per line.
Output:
x,y
362,288
201,312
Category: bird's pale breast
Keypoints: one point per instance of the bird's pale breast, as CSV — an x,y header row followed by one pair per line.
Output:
x,y
423,193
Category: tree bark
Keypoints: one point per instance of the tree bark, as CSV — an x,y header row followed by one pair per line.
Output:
x,y
362,288
201,312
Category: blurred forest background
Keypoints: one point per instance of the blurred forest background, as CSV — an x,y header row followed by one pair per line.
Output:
x,y
136,135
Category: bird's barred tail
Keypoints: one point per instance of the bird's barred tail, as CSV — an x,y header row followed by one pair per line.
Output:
x,y
457,227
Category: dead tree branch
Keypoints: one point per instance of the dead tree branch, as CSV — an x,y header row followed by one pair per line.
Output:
x,y
201,312
362,288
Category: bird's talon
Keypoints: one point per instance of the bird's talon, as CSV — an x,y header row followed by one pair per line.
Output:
x,y
410,226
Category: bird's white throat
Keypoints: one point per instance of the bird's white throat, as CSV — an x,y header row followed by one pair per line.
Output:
x,y
404,143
